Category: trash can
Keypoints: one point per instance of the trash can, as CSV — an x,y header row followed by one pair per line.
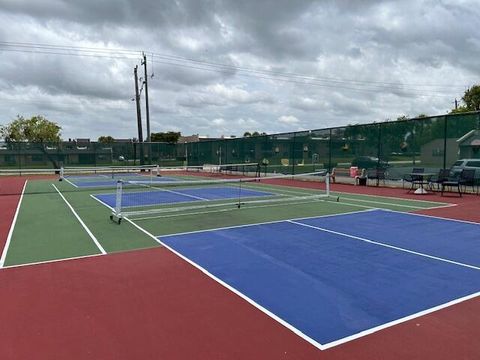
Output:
x,y
353,171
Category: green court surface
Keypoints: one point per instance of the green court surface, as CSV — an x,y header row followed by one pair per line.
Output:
x,y
46,228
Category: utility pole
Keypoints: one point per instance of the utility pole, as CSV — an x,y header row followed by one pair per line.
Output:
x,y
456,104
144,63
139,115
147,110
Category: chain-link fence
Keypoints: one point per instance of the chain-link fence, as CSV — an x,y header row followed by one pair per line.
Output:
x,y
397,146
431,143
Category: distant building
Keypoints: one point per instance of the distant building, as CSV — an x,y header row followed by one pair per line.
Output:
x,y
198,138
431,153
469,145
188,139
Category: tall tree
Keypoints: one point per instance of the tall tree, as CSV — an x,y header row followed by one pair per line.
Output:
x,y
255,133
169,137
35,129
470,99
106,139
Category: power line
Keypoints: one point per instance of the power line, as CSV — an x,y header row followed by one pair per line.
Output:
x,y
316,83
289,74
202,65
209,64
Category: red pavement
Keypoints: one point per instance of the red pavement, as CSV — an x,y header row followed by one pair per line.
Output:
x,y
150,304
10,192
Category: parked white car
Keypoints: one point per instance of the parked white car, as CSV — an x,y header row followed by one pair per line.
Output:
x,y
462,164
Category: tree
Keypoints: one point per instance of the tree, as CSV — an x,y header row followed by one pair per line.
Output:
x,y
255,133
471,100
106,139
169,137
35,129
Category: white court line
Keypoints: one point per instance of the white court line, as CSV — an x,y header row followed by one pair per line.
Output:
x,y
266,223
286,202
10,232
71,183
144,231
51,261
359,194
391,204
372,201
386,245
231,208
235,291
394,198
100,201
102,250
188,195
183,202
398,321
435,217
288,325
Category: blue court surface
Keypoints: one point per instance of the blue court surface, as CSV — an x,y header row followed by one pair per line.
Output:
x,y
112,182
334,277
166,196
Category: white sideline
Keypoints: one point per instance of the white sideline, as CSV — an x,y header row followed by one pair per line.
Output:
x,y
385,245
102,250
435,217
10,232
291,327
267,222
235,291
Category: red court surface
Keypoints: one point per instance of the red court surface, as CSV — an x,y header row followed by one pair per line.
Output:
x,y
10,190
150,304
467,207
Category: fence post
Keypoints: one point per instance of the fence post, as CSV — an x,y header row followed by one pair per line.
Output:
x,y
445,119
293,155
330,151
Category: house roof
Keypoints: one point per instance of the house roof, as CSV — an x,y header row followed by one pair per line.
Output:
x,y
467,135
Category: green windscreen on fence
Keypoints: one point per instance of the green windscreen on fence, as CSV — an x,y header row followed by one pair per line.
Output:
x,y
399,146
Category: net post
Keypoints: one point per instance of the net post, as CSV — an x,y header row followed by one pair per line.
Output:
x,y
62,174
327,184
117,211
239,193
157,170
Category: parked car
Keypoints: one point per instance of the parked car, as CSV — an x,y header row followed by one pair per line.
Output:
x,y
466,164
369,162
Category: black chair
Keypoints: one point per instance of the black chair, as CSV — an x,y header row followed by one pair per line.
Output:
x,y
443,175
377,175
467,178
413,179
451,182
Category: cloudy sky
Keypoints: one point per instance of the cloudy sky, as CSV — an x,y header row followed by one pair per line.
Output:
x,y
226,67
